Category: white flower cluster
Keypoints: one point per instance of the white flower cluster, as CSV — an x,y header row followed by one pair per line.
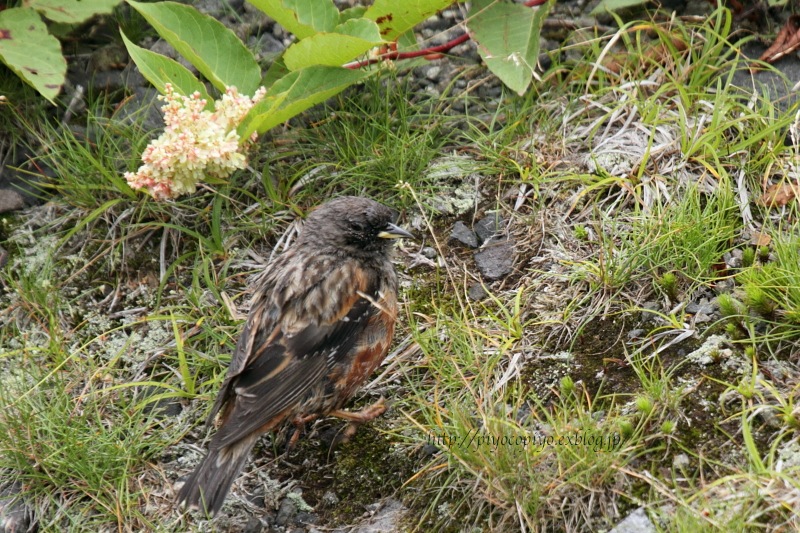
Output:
x,y
196,143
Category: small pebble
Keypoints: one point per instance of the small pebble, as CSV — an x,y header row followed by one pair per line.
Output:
x,y
477,292
429,252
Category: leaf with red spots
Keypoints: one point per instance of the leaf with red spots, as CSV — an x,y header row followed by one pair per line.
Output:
x,y
71,11
32,53
395,18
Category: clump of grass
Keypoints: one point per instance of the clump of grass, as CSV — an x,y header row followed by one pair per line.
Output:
x,y
668,282
688,236
379,135
772,292
729,306
525,454
748,257
77,455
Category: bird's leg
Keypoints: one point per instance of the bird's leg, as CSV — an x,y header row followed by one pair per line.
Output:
x,y
299,423
359,417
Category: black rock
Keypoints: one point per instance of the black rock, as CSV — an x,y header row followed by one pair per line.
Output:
x,y
488,227
430,449
461,233
307,518
286,512
253,525
162,407
143,102
496,260
23,175
704,307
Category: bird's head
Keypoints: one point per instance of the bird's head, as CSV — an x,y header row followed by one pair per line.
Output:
x,y
353,223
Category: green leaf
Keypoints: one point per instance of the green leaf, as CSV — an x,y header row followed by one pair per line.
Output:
x,y
208,45
508,39
395,18
160,70
295,93
71,11
276,71
350,40
615,5
355,12
303,18
32,53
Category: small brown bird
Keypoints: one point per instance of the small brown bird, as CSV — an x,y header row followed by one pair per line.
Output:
x,y
321,321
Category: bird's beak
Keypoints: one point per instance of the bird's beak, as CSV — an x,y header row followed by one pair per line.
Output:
x,y
395,232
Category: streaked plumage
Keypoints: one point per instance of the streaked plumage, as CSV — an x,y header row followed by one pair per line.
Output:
x,y
321,321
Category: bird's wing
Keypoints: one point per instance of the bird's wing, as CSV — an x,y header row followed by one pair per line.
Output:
x,y
261,323
296,352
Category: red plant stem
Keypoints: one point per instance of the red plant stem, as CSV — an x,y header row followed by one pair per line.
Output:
x,y
394,54
434,49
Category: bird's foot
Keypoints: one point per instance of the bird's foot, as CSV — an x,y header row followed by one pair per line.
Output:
x,y
299,423
359,417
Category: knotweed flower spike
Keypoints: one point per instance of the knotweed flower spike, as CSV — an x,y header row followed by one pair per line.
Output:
x,y
196,143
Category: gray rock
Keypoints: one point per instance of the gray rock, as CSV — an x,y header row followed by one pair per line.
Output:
x,y
253,525
15,515
702,318
477,292
387,518
304,517
160,408
266,45
165,49
143,105
133,78
772,82
461,233
636,522
651,305
432,72
430,449
702,306
108,81
637,333
488,227
496,260
429,252
286,512
330,498
10,200
23,175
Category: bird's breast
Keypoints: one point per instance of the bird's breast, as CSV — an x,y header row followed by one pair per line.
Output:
x,y
372,346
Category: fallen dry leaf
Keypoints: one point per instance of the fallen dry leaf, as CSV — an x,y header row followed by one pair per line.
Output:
x,y
656,53
760,239
778,195
787,41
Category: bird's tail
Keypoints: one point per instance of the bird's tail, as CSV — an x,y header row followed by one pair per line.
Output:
x,y
208,486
